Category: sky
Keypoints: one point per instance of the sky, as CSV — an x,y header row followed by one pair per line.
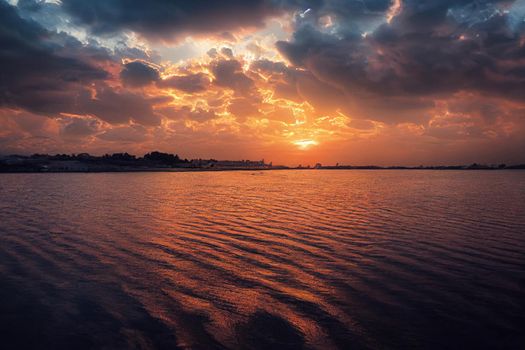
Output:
x,y
386,82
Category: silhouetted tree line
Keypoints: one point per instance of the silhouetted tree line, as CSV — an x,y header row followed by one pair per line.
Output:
x,y
154,156
40,161
164,158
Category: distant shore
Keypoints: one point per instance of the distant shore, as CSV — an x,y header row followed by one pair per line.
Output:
x,y
140,170
165,162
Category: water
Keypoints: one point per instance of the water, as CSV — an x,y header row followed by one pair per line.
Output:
x,y
263,260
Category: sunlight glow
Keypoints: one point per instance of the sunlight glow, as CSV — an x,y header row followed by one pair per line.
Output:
x,y
305,144
394,10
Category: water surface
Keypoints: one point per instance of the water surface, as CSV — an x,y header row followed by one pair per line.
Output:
x,y
263,260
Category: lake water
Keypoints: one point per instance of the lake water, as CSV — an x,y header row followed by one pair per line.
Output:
x,y
263,260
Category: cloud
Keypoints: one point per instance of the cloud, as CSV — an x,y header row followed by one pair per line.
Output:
x,y
78,128
244,107
229,73
138,74
120,107
190,83
423,51
164,19
125,134
50,73
361,124
187,113
42,71
123,51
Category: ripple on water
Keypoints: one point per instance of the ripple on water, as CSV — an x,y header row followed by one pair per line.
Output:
x,y
284,259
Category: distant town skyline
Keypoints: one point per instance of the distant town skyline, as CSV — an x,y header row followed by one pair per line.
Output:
x,y
385,82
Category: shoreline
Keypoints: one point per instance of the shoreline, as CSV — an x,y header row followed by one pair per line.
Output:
x,y
188,170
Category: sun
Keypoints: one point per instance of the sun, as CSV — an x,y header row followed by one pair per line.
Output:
x,y
305,144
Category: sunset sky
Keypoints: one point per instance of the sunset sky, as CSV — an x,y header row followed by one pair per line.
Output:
x,y
382,82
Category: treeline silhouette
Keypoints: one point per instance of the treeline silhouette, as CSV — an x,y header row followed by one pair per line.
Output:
x,y
115,158
86,162
118,162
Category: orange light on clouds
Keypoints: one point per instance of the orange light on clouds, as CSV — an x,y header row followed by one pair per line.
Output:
x,y
394,10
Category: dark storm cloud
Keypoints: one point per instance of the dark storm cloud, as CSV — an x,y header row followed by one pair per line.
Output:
x,y
267,66
49,15
166,18
430,48
42,71
229,73
49,73
163,18
138,74
122,50
301,85
190,83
